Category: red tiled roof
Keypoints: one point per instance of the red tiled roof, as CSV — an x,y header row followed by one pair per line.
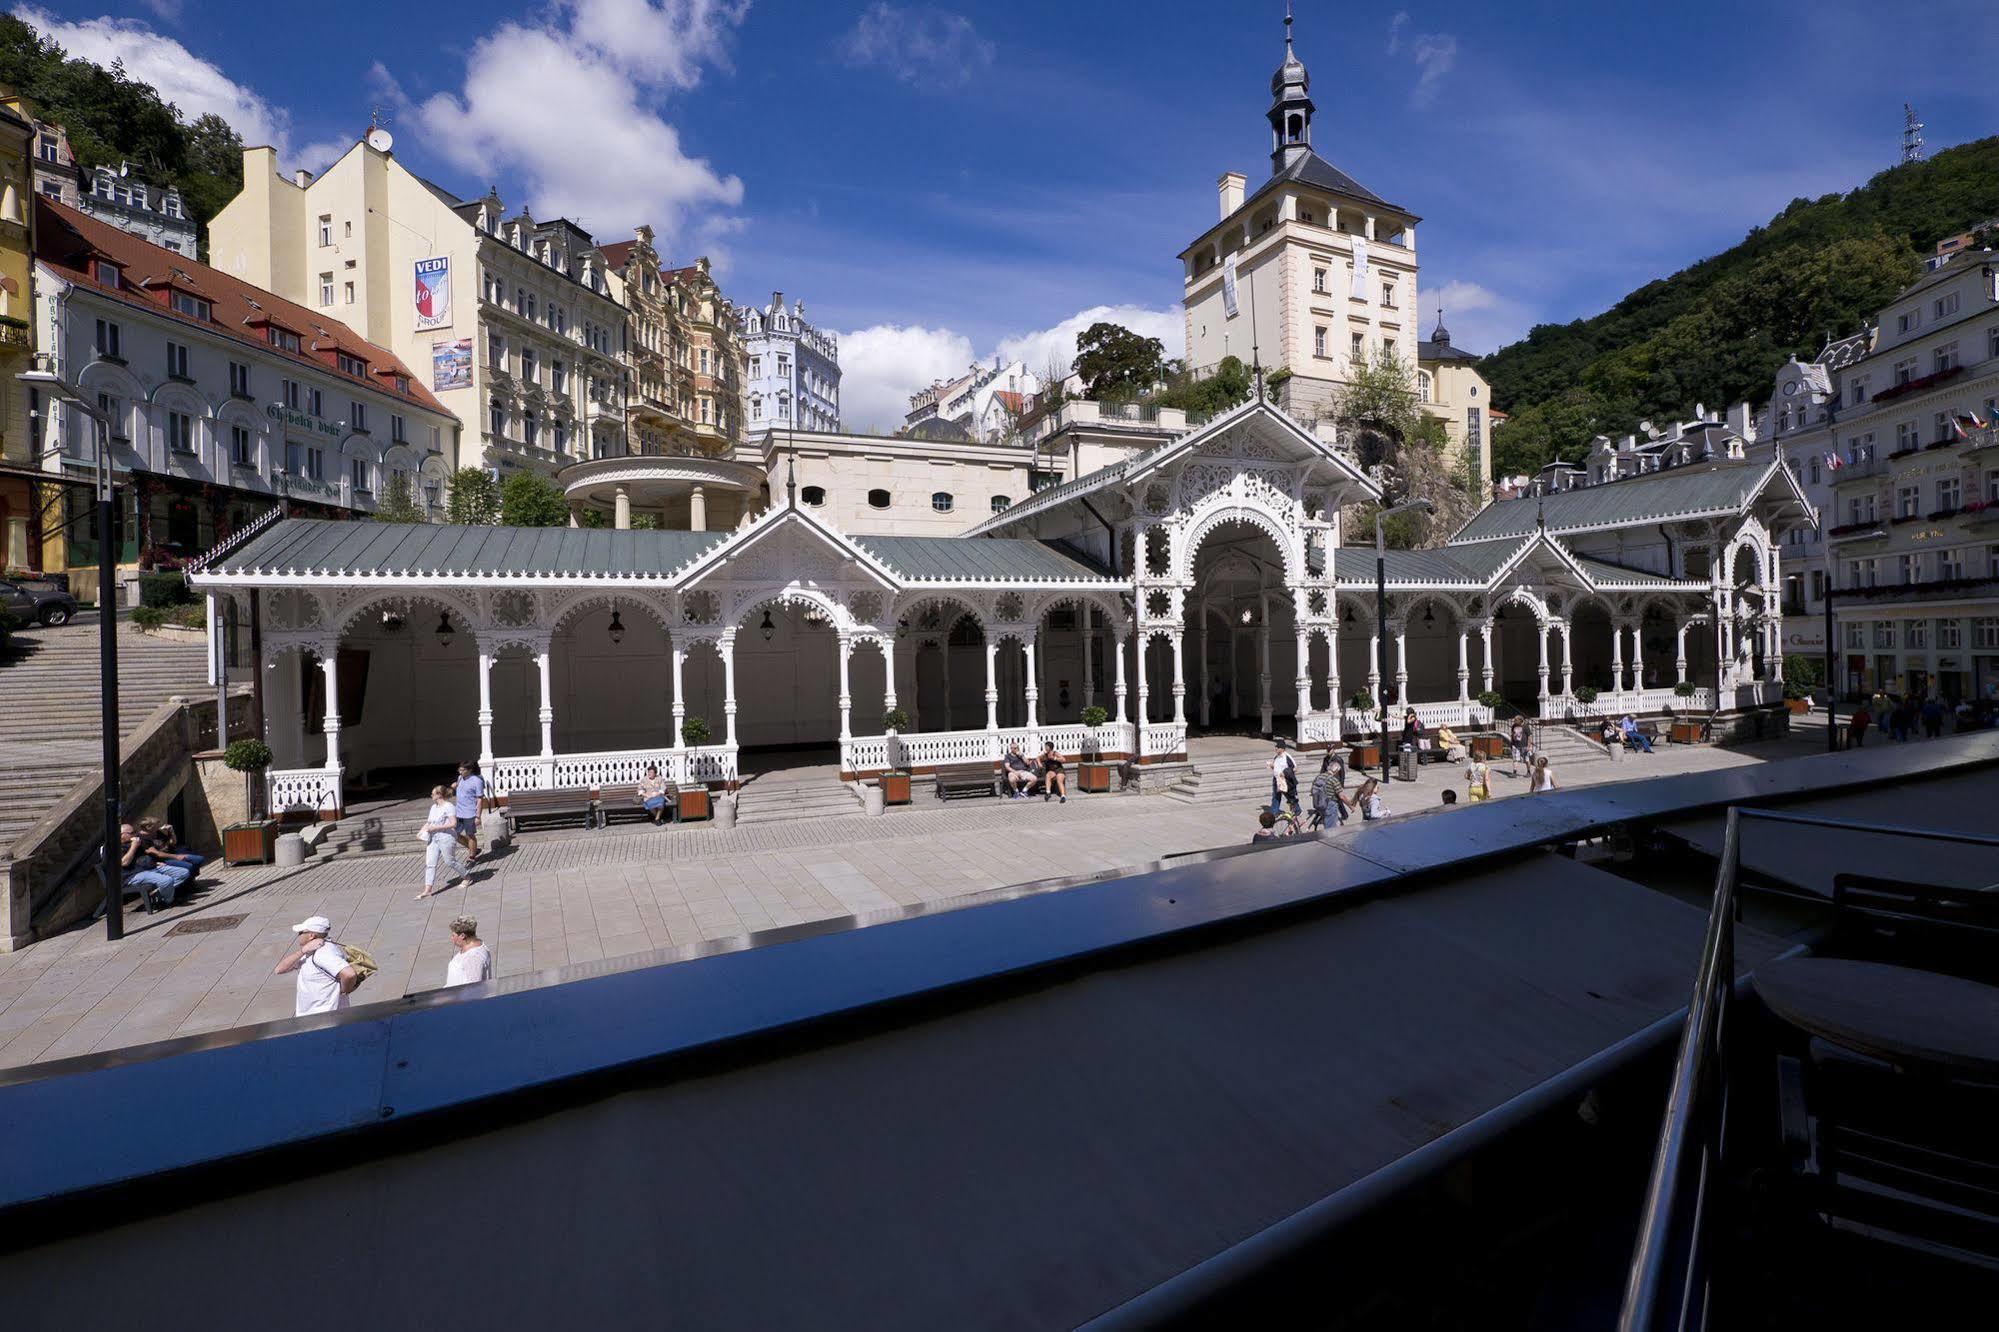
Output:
x,y
1011,401
618,252
67,241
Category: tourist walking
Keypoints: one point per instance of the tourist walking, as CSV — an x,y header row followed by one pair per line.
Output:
x,y
1326,792
1856,726
1283,780
1368,798
439,835
472,961
1478,780
1543,777
325,976
1933,717
1518,745
466,796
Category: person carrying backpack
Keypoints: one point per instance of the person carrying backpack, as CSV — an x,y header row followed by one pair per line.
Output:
x,y
327,972
1283,780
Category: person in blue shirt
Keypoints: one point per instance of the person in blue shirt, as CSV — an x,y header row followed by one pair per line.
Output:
x,y
465,798
1633,737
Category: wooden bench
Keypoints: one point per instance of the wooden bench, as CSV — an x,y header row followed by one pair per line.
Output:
x,y
555,806
621,803
966,779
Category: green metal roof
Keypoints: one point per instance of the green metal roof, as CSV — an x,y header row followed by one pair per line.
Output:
x,y
362,549
1473,563
1603,571
979,559
1674,493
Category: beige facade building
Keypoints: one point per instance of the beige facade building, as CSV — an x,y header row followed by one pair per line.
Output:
x,y
714,356
661,397
1313,272
511,321
1450,388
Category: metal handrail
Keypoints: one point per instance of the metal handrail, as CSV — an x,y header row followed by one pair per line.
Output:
x,y
1697,1104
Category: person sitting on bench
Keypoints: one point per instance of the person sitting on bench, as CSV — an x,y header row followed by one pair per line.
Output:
x,y
1454,748
652,794
1020,778
1054,781
1633,737
163,845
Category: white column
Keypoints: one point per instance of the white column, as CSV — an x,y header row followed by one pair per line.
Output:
x,y
1333,703
697,509
486,710
1638,659
728,648
846,696
1263,668
992,697
1464,669
1402,665
218,670
1031,687
1680,654
547,705
1144,689
1304,682
1118,685
1180,677
679,695
1543,635
1089,657
1566,673
329,662
1485,662
621,510
1616,659
888,671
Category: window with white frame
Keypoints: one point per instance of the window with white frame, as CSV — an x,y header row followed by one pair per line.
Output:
x,y
1001,503
1357,347
357,417
1985,631
1950,563
347,292
191,306
1907,437
531,427
326,228
1950,633
941,501
315,464
180,432
283,338
1319,340
1860,509
1992,486
289,390
1856,390
1908,501
1884,633
1912,569
1856,635
1423,394
1946,305
1905,370
1943,358
1916,634
357,473
1388,295
496,418
1319,283
1950,493
239,380
242,448
397,429
108,340
1908,321
177,360
315,402
325,289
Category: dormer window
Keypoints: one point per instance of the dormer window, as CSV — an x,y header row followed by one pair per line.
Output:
x,y
351,365
283,339
191,306
105,272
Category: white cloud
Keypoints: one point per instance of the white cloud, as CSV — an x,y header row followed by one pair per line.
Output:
x,y
917,44
605,63
1435,53
167,10
189,82
1480,319
1395,27
1037,349
882,365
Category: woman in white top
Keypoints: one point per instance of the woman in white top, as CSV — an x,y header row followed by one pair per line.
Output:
x,y
1543,776
439,835
1372,806
473,961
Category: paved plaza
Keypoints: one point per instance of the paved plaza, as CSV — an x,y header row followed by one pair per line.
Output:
x,y
564,898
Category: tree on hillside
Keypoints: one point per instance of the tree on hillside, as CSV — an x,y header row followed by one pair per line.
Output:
x,y
1228,386
1116,363
473,501
1379,397
529,499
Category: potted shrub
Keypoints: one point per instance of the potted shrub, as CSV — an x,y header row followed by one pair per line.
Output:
x,y
1685,689
694,795
1585,694
1364,755
895,782
1685,732
255,840
1092,773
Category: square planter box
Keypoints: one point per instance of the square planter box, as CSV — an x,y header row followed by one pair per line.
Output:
x,y
250,843
694,804
1488,747
1365,756
1686,733
1093,777
895,788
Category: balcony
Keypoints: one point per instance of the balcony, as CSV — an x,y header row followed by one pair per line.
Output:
x,y
1918,384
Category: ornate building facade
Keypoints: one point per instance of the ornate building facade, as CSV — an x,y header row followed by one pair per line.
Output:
x,y
115,196
660,402
791,370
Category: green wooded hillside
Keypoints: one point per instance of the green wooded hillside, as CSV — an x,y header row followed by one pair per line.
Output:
x,y
1716,332
112,118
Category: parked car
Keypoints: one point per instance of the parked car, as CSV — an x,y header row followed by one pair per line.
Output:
x,y
43,602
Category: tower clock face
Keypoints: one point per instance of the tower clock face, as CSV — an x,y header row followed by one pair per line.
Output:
x,y
1790,388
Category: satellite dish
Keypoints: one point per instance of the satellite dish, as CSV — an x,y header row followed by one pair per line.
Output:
x,y
379,139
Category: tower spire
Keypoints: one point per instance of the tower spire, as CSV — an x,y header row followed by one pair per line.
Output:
x,y
1290,113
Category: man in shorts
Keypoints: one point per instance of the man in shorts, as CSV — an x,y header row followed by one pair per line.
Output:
x,y
465,798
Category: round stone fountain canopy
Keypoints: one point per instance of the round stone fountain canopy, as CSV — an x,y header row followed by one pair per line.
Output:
x,y
663,484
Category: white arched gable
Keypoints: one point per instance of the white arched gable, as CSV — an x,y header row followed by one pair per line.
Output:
x,y
1233,510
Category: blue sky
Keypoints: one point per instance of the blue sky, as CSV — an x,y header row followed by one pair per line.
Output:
x,y
945,182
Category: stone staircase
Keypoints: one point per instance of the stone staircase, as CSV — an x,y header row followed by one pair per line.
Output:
x,y
1566,747
787,796
50,708
1242,779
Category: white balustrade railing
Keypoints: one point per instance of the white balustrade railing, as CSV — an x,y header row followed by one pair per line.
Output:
x,y
1319,728
616,767
1658,700
1164,738
293,789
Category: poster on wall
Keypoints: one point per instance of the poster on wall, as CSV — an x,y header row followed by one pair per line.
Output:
x,y
450,364
433,292
1228,287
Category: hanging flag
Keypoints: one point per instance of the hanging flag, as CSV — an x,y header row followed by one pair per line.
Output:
x,y
1228,286
1359,291
1957,426
1834,462
1992,411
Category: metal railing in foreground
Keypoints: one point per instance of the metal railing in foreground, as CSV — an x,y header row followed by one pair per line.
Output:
x,y
1670,1284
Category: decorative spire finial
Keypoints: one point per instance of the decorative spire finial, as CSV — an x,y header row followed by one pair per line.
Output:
x,y
1287,27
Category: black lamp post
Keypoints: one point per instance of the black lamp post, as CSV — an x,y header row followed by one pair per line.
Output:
x,y
1381,614
107,642
1831,665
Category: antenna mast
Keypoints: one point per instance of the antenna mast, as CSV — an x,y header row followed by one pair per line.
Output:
x,y
1912,135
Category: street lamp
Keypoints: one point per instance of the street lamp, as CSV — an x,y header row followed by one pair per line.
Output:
x,y
1831,668
57,387
1381,614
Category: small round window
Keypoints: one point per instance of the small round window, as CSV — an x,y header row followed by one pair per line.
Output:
x,y
877,499
813,495
941,501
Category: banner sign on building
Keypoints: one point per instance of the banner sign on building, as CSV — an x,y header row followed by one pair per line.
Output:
x,y
1359,291
433,292
450,364
1228,286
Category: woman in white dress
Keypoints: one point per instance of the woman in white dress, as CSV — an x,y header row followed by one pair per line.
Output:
x,y
439,835
1543,776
